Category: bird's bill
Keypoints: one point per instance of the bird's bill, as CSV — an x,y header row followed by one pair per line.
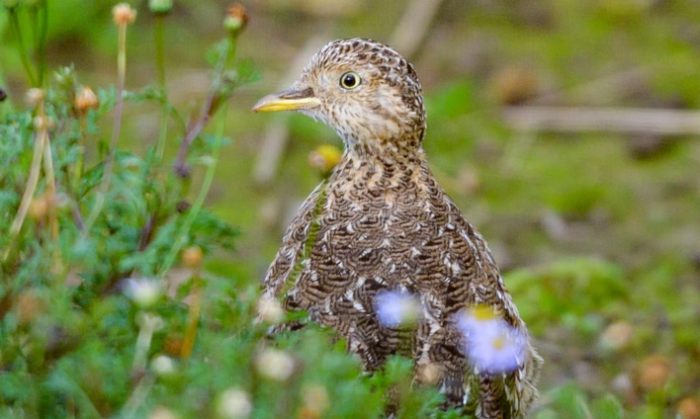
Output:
x,y
287,100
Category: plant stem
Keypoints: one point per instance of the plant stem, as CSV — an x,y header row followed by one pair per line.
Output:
x,y
160,65
160,54
138,397
211,106
116,129
39,141
43,36
50,176
78,174
192,317
197,206
14,22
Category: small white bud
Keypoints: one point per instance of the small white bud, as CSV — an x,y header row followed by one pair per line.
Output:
x,y
163,365
275,365
161,412
270,310
234,404
143,292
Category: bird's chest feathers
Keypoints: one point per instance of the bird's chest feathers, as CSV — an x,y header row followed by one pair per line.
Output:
x,y
375,218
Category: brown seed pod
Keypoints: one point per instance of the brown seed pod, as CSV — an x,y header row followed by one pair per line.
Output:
x,y
123,14
85,100
192,257
236,19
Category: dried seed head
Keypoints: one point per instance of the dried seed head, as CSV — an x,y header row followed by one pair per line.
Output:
x,y
654,373
123,14
688,408
42,123
315,397
86,99
160,7
35,96
428,372
38,208
236,19
192,256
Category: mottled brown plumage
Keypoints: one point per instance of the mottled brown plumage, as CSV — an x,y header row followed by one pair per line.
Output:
x,y
381,222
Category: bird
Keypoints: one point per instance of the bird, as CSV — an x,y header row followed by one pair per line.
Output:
x,y
381,223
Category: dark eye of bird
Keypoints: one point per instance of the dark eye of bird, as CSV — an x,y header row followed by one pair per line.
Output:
x,y
349,80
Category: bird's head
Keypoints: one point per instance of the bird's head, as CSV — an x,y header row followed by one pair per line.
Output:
x,y
365,91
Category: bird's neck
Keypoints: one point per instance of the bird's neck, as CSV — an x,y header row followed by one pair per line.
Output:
x,y
368,161
377,148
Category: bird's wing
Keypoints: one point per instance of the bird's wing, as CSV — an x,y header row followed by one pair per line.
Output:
x,y
294,244
479,273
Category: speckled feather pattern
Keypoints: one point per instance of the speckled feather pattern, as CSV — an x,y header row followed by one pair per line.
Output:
x,y
385,224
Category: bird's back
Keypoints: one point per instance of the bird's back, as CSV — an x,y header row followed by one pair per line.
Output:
x,y
385,225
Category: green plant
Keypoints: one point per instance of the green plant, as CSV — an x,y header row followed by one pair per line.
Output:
x,y
93,322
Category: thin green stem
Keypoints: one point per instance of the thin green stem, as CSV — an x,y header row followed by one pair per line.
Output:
x,y
160,65
34,19
78,174
39,143
160,51
14,22
43,37
203,192
116,129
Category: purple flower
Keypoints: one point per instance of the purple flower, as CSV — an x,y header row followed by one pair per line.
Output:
x,y
492,345
397,308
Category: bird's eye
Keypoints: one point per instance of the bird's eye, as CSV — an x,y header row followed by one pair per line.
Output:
x,y
349,80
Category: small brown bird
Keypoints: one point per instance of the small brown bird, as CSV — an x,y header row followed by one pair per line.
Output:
x,y
382,224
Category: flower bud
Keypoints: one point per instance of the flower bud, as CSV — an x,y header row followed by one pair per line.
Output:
x,y
86,99
163,366
42,123
35,96
275,364
161,412
160,7
236,19
123,14
234,404
143,292
3,95
270,310
192,257
325,158
38,207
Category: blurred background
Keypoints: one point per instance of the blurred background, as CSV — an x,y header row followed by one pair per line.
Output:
x,y
566,131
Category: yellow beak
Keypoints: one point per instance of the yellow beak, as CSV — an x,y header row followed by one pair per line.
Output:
x,y
287,100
